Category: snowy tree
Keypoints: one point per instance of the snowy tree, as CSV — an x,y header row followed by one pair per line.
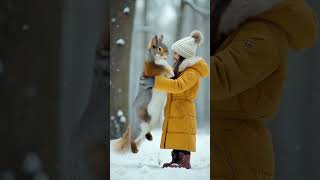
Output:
x,y
122,15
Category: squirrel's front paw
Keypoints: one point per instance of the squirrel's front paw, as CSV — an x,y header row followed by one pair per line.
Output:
x,y
170,74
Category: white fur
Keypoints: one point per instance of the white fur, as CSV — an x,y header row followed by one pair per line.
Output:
x,y
240,10
156,106
161,62
145,128
156,111
164,63
189,62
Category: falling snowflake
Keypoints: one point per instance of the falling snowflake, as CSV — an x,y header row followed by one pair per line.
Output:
x,y
126,10
123,119
112,118
32,163
119,90
119,113
121,42
113,20
25,27
117,126
41,176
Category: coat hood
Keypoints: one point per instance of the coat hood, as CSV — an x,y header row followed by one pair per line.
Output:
x,y
294,17
197,63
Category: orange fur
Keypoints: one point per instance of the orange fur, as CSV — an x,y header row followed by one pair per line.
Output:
x,y
123,145
151,69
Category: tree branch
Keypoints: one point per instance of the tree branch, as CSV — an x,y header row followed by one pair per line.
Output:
x,y
142,28
198,9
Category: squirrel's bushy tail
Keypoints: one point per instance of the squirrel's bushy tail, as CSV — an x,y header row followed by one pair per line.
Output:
x,y
123,145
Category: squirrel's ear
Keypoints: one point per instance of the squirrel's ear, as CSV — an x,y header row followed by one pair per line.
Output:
x,y
161,38
154,41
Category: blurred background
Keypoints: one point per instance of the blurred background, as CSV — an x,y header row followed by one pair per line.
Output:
x,y
53,89
296,128
132,29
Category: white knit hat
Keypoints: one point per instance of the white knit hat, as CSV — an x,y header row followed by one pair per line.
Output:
x,y
187,47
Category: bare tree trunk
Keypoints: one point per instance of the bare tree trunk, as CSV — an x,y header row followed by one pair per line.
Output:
x,y
84,101
121,30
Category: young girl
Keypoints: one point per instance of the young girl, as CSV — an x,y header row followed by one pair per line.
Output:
x,y
179,126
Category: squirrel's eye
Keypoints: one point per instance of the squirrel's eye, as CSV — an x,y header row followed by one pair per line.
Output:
x,y
159,49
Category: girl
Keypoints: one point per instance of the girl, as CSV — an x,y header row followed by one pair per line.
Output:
x,y
179,126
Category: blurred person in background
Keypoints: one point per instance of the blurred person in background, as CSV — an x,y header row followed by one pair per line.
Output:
x,y
250,41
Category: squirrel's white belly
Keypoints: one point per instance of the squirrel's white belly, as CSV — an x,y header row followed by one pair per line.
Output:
x,y
156,106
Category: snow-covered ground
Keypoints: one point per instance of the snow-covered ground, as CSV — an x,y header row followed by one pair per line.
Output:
x,y
146,165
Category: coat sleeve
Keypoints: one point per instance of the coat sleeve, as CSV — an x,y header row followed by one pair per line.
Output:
x,y
251,57
184,82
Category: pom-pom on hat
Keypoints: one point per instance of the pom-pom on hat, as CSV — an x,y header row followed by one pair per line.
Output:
x,y
187,47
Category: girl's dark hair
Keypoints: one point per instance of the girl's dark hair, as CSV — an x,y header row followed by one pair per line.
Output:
x,y
217,8
176,67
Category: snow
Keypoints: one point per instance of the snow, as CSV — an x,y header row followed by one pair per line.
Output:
x,y
123,119
32,163
25,27
126,10
147,163
121,42
120,113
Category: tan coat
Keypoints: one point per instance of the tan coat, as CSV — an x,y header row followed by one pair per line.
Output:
x,y
248,74
180,125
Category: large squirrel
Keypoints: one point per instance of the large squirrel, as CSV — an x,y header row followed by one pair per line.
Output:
x,y
148,104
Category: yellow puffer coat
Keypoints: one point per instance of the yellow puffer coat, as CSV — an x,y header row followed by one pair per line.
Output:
x,y
247,77
179,126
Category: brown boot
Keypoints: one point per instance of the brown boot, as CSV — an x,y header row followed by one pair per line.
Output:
x,y
175,159
184,161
